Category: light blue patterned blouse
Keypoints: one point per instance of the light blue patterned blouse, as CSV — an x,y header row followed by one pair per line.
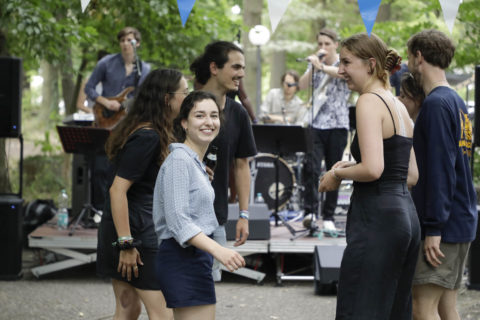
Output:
x,y
183,197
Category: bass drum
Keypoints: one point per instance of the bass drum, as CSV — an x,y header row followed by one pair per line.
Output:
x,y
263,169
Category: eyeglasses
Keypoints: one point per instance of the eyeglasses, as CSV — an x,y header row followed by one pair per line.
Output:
x,y
291,84
185,93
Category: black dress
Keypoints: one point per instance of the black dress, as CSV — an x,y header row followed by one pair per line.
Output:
x,y
137,161
383,239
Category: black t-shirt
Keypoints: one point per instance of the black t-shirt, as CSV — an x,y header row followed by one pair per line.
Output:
x,y
235,140
137,162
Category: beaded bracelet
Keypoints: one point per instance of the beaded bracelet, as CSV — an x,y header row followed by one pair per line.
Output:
x,y
244,214
127,244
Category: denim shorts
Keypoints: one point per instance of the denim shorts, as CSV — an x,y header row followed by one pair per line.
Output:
x,y
185,275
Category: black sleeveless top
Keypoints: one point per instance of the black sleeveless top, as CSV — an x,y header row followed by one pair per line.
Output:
x,y
396,154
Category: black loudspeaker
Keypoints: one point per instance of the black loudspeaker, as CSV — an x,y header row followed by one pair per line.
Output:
x,y
10,97
80,186
326,269
474,266
11,224
476,137
258,223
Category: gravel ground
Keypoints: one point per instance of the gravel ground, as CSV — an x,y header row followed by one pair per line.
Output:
x,y
78,294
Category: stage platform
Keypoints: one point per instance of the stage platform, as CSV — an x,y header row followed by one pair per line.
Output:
x,y
81,246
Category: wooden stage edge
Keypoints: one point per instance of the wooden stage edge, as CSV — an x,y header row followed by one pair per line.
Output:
x,y
48,237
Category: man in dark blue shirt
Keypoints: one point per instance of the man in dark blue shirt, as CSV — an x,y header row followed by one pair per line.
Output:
x,y
118,71
444,195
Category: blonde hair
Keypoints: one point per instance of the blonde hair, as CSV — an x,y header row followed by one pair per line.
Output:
x,y
366,47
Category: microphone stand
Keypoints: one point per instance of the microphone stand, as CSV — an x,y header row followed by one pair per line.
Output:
x,y
137,64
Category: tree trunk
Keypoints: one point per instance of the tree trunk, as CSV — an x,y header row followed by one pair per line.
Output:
x,y
50,94
278,63
252,15
68,86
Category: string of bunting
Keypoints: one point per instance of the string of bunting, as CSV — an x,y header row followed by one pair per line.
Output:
x,y
277,8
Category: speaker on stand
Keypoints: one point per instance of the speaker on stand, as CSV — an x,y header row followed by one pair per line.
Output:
x,y
11,209
10,97
474,265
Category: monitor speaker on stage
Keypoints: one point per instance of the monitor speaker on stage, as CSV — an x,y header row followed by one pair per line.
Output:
x,y
327,260
476,137
10,97
11,224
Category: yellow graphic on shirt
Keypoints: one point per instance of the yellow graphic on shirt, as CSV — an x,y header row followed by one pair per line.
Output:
x,y
465,141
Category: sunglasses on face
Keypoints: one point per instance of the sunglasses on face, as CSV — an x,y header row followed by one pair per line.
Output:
x,y
291,84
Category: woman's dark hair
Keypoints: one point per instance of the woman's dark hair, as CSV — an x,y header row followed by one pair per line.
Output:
x,y
214,52
187,106
149,109
411,88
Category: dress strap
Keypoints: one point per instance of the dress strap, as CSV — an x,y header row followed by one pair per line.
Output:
x,y
391,115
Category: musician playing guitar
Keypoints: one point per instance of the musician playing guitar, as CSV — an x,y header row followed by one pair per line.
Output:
x,y
119,74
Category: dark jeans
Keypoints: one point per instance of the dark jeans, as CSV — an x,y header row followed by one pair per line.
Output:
x,y
329,145
383,240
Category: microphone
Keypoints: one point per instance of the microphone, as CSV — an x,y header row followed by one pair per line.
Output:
x,y
320,56
133,42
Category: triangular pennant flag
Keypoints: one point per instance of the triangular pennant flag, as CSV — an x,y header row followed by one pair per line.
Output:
x,y
185,7
450,10
368,11
84,4
276,9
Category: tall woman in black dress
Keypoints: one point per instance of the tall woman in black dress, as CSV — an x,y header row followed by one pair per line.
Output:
x,y
383,233
137,146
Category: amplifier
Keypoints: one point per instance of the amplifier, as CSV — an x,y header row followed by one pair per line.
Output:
x,y
258,223
11,224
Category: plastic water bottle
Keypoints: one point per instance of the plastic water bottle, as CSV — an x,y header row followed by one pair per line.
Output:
x,y
259,198
62,213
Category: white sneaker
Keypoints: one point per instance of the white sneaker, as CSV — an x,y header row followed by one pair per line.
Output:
x,y
329,225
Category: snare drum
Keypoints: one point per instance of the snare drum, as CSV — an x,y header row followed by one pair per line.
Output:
x,y
263,171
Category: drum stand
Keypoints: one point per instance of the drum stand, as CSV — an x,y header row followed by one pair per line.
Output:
x,y
287,139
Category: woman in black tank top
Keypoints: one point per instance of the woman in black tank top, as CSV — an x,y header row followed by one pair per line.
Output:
x,y
383,233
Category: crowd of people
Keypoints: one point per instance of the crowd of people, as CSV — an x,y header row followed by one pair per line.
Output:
x,y
412,213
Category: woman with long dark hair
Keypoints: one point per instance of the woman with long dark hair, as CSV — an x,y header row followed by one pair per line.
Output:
x,y
137,146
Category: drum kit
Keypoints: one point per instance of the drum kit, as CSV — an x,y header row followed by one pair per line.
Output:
x,y
290,185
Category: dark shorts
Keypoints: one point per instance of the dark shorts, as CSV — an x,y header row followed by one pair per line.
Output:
x,y
185,275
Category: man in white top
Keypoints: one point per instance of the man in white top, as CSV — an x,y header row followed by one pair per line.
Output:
x,y
282,105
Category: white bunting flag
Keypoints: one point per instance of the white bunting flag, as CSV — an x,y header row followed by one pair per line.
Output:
x,y
84,4
450,10
276,9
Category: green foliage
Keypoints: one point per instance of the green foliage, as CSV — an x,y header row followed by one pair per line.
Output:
x,y
42,177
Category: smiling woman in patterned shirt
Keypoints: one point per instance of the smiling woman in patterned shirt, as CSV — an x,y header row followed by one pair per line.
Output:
x,y
184,216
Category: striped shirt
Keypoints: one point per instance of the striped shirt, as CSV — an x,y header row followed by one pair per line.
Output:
x,y
183,197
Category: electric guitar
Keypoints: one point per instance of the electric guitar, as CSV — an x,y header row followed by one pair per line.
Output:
x,y
105,118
